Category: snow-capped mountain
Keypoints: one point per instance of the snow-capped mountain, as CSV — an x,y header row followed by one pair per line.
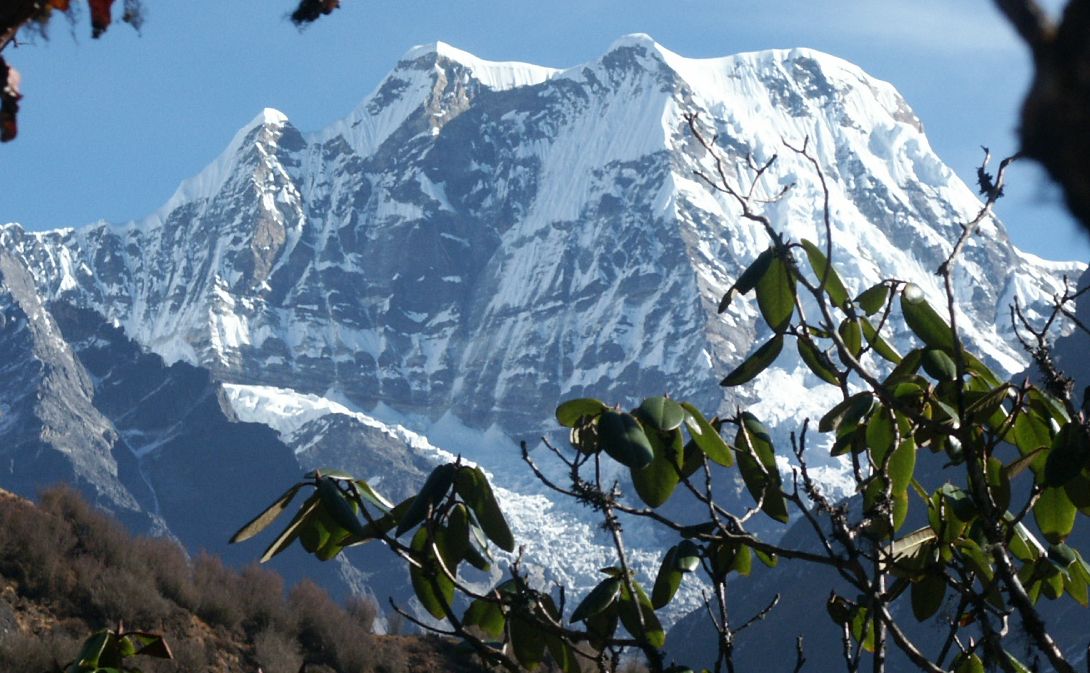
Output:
x,y
479,240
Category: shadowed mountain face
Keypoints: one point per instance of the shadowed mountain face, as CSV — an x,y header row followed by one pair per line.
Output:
x,y
474,243
158,446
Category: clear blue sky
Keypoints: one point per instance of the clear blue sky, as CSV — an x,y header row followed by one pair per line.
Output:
x,y
109,127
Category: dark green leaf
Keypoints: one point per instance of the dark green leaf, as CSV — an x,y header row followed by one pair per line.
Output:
x,y
656,481
697,530
881,433
486,616
862,627
851,333
998,482
924,320
261,521
562,654
149,645
987,406
1055,514
969,664
848,412
457,536
93,647
927,596
818,362
839,609
339,507
602,626
873,299
527,640
667,581
662,413
433,588
288,535
584,436
1070,451
632,611
878,343
1078,490
318,529
820,264
939,365
435,488
472,486
776,295
687,558
1030,433
383,524
692,459
624,440
755,363
905,369
569,413
600,598
707,438
769,560
757,464
749,278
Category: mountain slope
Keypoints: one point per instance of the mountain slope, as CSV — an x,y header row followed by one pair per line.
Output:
x,y
487,238
480,240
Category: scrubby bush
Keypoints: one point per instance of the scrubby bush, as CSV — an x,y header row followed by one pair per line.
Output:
x,y
82,569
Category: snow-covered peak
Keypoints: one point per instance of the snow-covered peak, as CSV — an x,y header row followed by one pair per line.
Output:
x,y
265,129
267,116
496,75
634,40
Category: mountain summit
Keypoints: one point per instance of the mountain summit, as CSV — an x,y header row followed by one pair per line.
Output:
x,y
479,240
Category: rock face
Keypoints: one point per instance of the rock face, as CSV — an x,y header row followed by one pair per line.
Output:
x,y
474,243
158,446
483,239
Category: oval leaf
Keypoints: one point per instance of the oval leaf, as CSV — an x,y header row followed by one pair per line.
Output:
x,y
757,464
924,321
633,611
927,596
776,295
817,361
749,278
662,413
1070,450
261,521
873,299
1055,514
756,363
435,488
667,581
569,413
708,439
600,598
826,274
657,480
624,440
472,486
433,588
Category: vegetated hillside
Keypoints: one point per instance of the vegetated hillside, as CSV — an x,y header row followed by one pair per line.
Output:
x,y
66,569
